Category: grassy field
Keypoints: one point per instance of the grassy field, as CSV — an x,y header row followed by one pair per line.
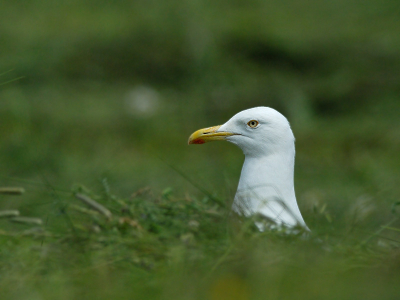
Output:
x,y
98,99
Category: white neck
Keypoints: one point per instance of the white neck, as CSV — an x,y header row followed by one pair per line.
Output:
x,y
266,187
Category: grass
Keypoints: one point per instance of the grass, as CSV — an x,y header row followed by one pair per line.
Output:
x,y
161,246
173,240
76,123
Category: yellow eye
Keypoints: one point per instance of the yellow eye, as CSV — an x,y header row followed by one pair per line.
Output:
x,y
253,123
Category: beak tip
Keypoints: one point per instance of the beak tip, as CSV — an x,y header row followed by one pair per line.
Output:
x,y
195,141
202,136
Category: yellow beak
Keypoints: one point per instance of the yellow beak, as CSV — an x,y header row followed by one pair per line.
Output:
x,y
209,134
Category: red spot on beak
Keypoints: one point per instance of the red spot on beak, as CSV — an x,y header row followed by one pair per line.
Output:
x,y
198,141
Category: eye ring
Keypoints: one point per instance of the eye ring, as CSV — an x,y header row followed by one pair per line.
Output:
x,y
253,123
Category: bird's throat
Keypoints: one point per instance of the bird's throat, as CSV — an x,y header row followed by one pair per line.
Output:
x,y
266,187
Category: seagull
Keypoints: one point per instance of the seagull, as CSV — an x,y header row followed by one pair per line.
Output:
x,y
266,184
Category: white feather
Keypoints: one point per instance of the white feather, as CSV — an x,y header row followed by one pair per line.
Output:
x,y
266,185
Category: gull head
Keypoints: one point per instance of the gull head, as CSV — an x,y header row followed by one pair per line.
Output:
x,y
266,185
258,131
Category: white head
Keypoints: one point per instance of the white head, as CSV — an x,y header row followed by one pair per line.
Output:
x,y
266,184
258,131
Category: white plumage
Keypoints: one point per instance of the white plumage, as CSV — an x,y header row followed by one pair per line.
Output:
x,y
266,185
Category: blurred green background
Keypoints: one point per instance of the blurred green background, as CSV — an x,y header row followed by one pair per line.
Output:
x,y
111,90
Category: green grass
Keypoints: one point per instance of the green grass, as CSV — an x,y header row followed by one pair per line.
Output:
x,y
174,241
70,76
162,246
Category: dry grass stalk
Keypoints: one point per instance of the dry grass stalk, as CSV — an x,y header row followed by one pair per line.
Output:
x,y
12,190
9,213
27,220
93,204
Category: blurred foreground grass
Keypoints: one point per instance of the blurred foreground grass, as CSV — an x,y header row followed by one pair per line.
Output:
x,y
150,246
109,95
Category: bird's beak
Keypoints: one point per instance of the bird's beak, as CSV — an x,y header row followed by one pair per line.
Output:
x,y
209,134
